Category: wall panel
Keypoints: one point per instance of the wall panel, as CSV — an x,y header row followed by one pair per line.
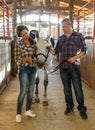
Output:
x,y
88,64
5,64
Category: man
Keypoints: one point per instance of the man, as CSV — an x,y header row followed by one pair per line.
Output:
x,y
71,46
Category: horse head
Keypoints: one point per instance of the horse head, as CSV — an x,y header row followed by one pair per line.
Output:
x,y
42,49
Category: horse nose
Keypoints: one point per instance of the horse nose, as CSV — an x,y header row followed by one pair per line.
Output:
x,y
40,64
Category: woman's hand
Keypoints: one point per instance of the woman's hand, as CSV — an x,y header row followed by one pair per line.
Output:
x,y
27,59
30,60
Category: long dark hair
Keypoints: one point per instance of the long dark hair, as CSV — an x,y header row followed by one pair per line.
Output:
x,y
20,28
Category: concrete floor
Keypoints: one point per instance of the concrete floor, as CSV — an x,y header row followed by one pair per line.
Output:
x,y
49,117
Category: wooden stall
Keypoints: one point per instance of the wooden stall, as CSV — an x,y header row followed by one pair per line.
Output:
x,y
5,44
87,27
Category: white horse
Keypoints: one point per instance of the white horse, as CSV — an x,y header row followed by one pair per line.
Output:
x,y
43,60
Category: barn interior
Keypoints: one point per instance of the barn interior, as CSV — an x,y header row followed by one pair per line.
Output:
x,y
46,16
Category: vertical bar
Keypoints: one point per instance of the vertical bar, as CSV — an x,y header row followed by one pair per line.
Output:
x,y
94,19
58,21
78,21
81,9
14,17
20,2
50,23
3,6
71,10
7,13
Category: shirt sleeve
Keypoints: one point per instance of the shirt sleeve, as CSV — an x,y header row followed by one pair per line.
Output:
x,y
17,54
58,47
82,44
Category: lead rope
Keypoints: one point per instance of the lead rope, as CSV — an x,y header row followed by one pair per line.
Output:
x,y
57,67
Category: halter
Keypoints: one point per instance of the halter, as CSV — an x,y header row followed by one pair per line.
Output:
x,y
46,56
35,34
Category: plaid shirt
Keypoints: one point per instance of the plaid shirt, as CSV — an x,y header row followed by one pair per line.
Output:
x,y
69,47
23,50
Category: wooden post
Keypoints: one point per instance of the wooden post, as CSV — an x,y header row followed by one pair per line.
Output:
x,y
71,10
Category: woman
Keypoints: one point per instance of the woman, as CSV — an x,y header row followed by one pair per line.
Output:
x,y
24,52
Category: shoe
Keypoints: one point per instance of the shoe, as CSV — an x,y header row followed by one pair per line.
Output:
x,y
83,115
68,110
30,113
18,118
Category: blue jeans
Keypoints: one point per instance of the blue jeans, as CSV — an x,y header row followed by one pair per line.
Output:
x,y
69,77
27,76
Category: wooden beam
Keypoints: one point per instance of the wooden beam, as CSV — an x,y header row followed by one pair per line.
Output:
x,y
33,8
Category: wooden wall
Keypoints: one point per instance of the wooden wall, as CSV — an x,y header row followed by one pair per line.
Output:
x,y
88,64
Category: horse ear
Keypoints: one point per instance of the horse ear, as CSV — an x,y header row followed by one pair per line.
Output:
x,y
41,34
48,37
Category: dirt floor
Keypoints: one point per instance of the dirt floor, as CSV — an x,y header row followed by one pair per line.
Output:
x,y
49,117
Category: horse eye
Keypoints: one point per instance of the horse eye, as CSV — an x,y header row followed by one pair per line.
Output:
x,y
47,47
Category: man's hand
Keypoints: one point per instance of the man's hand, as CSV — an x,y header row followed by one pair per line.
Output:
x,y
72,59
51,49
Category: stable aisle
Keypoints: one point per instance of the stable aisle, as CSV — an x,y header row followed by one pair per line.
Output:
x,y
49,117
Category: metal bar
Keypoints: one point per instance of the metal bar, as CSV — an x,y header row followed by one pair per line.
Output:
x,y
14,18
20,2
3,7
85,5
7,14
78,21
78,18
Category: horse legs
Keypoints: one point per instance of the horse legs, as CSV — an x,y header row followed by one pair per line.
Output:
x,y
37,100
45,102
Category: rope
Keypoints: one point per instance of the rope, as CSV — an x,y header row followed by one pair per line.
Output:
x,y
57,67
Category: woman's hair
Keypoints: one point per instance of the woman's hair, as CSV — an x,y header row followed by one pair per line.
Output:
x,y
31,40
20,28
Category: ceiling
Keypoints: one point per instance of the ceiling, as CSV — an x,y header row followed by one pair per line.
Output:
x,y
58,8
53,7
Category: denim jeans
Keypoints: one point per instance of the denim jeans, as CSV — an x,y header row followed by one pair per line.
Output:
x,y
71,77
27,76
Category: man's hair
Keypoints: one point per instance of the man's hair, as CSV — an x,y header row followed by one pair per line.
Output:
x,y
20,28
66,20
